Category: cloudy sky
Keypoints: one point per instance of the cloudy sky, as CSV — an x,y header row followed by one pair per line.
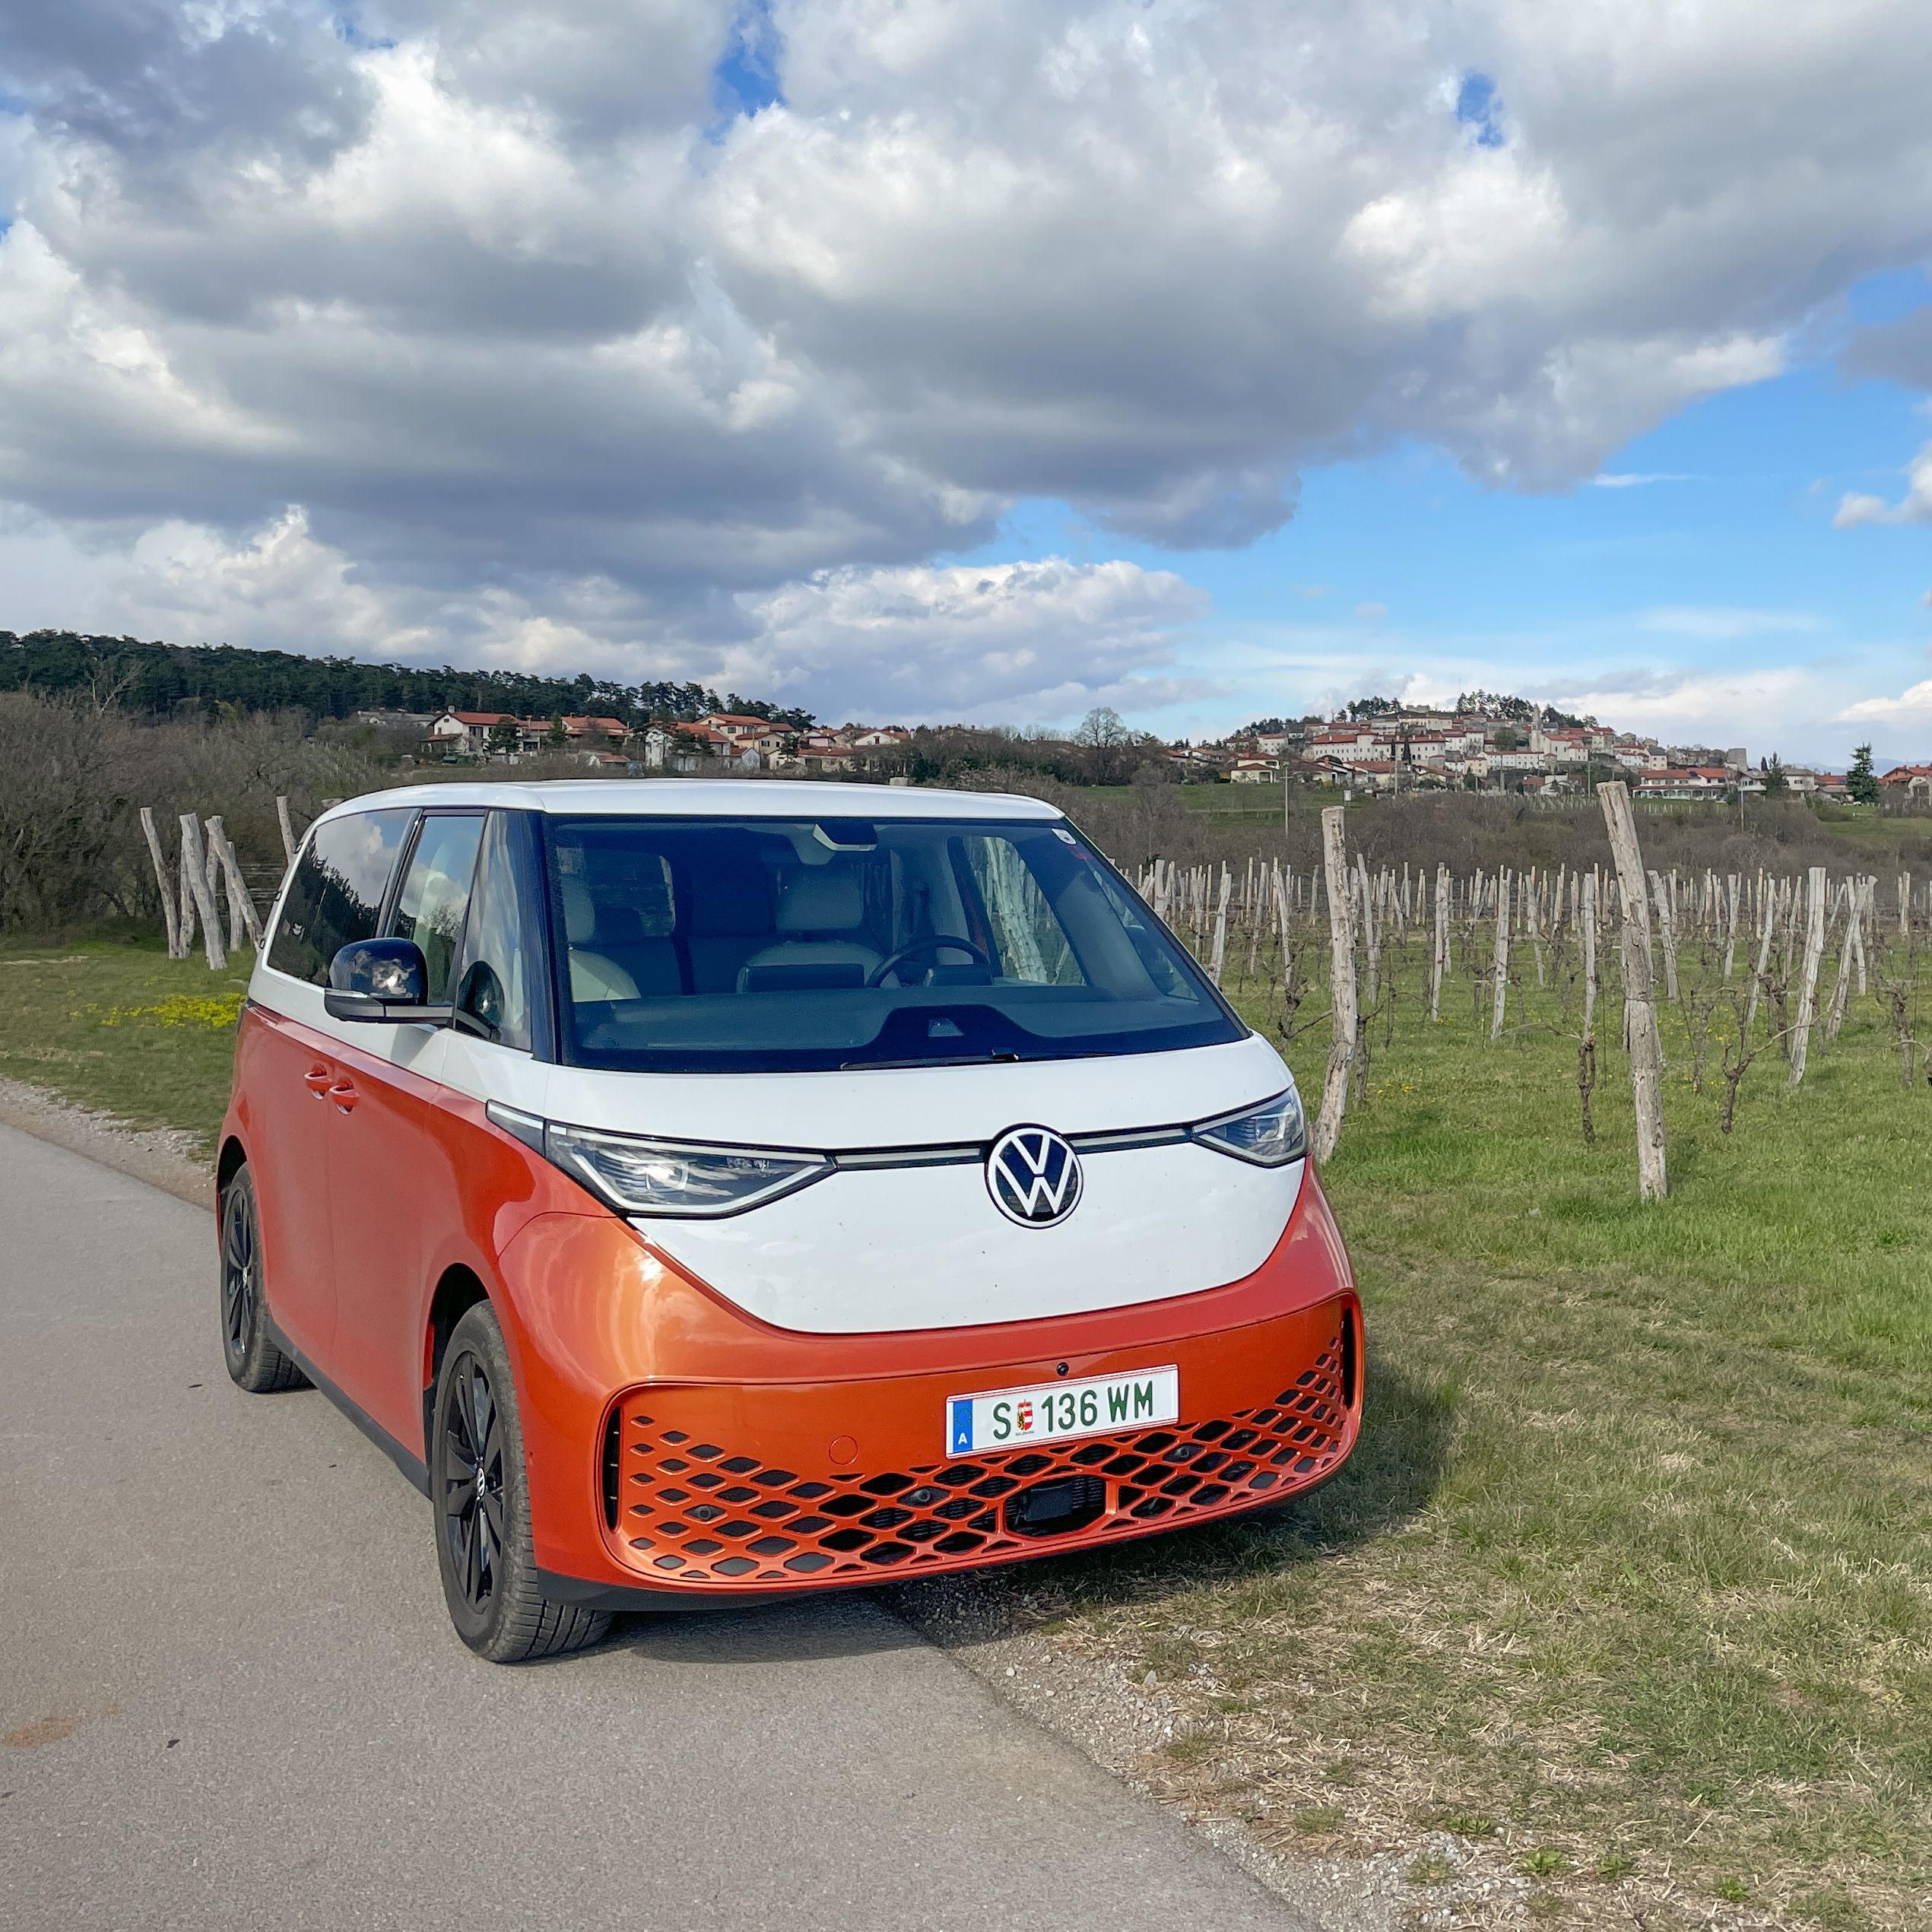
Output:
x,y
992,358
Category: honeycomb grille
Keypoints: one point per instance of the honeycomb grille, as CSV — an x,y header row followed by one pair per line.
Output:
x,y
695,1512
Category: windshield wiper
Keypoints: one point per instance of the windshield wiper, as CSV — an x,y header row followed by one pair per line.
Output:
x,y
934,1060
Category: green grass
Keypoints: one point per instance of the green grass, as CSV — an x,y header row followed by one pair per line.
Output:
x,y
117,1026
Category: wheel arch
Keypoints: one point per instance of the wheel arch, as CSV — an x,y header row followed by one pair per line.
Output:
x,y
232,1160
458,1291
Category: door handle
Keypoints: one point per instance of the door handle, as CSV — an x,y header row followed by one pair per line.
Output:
x,y
317,1081
343,1095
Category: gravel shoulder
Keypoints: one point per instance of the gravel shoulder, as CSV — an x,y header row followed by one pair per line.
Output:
x,y
165,1157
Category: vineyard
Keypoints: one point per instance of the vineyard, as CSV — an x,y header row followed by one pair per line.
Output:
x,y
1746,966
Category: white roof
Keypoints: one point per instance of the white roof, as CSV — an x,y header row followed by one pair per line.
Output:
x,y
714,797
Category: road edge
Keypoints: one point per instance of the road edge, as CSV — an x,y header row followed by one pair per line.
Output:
x,y
164,1157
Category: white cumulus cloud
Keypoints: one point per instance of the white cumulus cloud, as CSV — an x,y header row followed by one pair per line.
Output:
x,y
1913,705
1047,638
1043,640
1915,506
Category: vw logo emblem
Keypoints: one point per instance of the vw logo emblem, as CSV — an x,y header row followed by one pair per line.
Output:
x,y
1033,1176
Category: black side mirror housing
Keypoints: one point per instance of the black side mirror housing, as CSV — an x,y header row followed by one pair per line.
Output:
x,y
380,979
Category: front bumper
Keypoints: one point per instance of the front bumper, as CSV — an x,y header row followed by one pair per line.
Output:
x,y
735,1459
704,1489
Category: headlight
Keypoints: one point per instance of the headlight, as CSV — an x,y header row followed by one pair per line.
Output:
x,y
1270,1135
637,1176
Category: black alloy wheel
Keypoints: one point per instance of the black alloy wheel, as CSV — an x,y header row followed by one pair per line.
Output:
x,y
472,1478
254,1362
485,1550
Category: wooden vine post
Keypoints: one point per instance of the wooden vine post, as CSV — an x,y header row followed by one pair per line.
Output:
x,y
1218,959
242,915
177,946
1439,965
1667,927
1371,926
195,878
1588,914
1341,973
1765,937
1499,957
1639,997
1814,953
1586,1049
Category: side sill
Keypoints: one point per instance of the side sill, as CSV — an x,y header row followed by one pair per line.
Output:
x,y
411,1465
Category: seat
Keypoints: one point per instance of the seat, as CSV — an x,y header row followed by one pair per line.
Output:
x,y
593,975
821,911
730,896
650,964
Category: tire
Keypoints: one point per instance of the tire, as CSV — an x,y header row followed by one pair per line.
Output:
x,y
481,1495
254,1362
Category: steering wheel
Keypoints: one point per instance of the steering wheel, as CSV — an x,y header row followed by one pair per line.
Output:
x,y
933,943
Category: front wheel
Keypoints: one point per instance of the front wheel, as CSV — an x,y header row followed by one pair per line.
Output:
x,y
254,1362
481,1497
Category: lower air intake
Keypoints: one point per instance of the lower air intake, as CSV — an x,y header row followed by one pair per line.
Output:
x,y
696,1513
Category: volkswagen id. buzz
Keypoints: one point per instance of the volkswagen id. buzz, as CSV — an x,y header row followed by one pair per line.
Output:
x,y
705,1190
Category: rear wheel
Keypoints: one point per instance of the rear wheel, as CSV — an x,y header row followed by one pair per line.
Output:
x,y
254,1362
481,1498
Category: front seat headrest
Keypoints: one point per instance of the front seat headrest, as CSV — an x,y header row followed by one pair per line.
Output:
x,y
821,898
580,911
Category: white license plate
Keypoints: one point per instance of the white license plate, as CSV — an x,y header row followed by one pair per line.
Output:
x,y
1056,1412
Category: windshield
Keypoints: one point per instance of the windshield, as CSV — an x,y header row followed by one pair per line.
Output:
x,y
769,945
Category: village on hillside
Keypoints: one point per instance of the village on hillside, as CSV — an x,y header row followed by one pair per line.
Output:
x,y
1485,743
1496,744
720,741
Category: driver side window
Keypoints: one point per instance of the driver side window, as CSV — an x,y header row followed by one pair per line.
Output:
x,y
493,989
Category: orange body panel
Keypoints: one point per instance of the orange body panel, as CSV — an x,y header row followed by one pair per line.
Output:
x,y
280,1112
602,1329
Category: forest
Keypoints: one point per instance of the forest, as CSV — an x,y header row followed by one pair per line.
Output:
x,y
163,679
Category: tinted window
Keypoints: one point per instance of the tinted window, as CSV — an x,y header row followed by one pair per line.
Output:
x,y
754,945
336,895
495,978
436,894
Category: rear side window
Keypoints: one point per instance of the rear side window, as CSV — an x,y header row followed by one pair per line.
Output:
x,y
336,895
435,897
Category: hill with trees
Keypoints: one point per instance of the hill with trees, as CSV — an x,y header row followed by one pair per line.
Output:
x,y
164,680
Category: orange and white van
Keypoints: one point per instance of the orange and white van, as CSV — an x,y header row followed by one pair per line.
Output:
x,y
708,1190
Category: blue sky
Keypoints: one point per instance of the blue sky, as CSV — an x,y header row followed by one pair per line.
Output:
x,y
909,360
1708,547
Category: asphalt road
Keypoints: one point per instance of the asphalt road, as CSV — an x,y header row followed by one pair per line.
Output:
x,y
229,1696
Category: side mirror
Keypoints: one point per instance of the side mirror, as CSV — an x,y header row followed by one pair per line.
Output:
x,y
380,979
479,1008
